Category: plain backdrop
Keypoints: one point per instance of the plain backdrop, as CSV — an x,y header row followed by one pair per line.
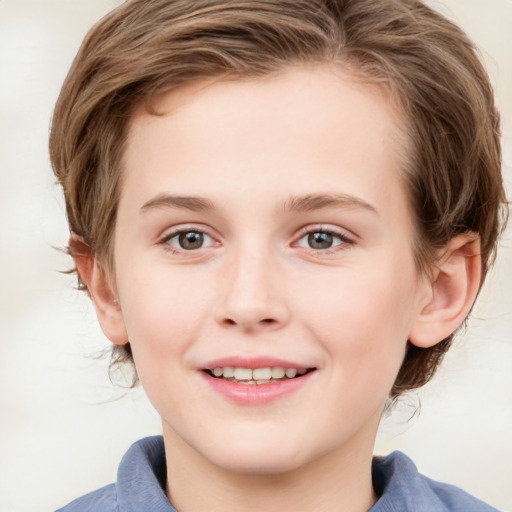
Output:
x,y
64,427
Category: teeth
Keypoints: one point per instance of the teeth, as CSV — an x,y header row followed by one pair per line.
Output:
x,y
278,372
291,372
228,372
243,374
257,375
261,374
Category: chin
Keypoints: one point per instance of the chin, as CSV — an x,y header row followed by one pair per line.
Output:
x,y
259,465
258,458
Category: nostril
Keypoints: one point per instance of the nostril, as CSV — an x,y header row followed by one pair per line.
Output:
x,y
230,321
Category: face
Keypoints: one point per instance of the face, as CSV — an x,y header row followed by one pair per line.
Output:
x,y
263,229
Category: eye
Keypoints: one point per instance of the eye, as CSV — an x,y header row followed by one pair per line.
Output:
x,y
188,240
322,240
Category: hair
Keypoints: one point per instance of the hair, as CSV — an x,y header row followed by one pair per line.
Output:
x,y
425,62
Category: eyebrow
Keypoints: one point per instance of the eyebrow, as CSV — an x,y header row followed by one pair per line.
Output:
x,y
195,204
313,202
304,203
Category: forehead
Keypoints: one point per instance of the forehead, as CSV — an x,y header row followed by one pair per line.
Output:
x,y
296,129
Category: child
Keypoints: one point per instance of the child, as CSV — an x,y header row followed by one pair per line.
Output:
x,y
282,211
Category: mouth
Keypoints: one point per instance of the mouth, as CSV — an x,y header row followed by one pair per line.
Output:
x,y
256,381
257,376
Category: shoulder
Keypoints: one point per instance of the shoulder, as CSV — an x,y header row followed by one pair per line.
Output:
x,y
457,499
140,483
101,500
402,487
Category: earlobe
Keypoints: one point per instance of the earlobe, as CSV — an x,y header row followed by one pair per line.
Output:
x,y
101,291
452,291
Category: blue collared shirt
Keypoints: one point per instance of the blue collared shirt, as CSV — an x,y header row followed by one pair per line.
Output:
x,y
141,482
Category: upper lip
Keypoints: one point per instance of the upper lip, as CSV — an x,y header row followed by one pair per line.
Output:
x,y
252,363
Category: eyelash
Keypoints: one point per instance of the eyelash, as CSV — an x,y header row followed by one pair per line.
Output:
x,y
166,240
342,237
344,240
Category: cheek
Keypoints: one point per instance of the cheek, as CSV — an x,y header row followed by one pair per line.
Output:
x,y
163,318
162,313
363,319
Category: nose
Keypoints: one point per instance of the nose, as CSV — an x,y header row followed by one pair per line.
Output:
x,y
254,293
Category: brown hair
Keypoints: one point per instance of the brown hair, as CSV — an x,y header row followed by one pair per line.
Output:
x,y
427,64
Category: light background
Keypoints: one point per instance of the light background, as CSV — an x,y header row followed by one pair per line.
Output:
x,y
63,426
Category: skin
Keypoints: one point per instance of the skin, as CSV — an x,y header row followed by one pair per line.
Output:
x,y
252,151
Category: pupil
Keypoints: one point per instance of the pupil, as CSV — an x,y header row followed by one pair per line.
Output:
x,y
191,240
320,240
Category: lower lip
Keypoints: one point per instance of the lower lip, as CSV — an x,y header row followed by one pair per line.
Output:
x,y
255,394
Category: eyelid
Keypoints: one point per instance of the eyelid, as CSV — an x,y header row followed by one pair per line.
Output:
x,y
170,233
326,228
347,239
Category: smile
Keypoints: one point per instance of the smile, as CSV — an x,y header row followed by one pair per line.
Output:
x,y
253,382
265,375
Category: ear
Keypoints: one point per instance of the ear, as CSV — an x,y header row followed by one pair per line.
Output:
x,y
451,291
100,289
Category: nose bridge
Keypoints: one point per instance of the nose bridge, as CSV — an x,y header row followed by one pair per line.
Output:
x,y
253,292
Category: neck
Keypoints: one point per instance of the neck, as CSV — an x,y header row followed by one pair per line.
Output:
x,y
340,480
